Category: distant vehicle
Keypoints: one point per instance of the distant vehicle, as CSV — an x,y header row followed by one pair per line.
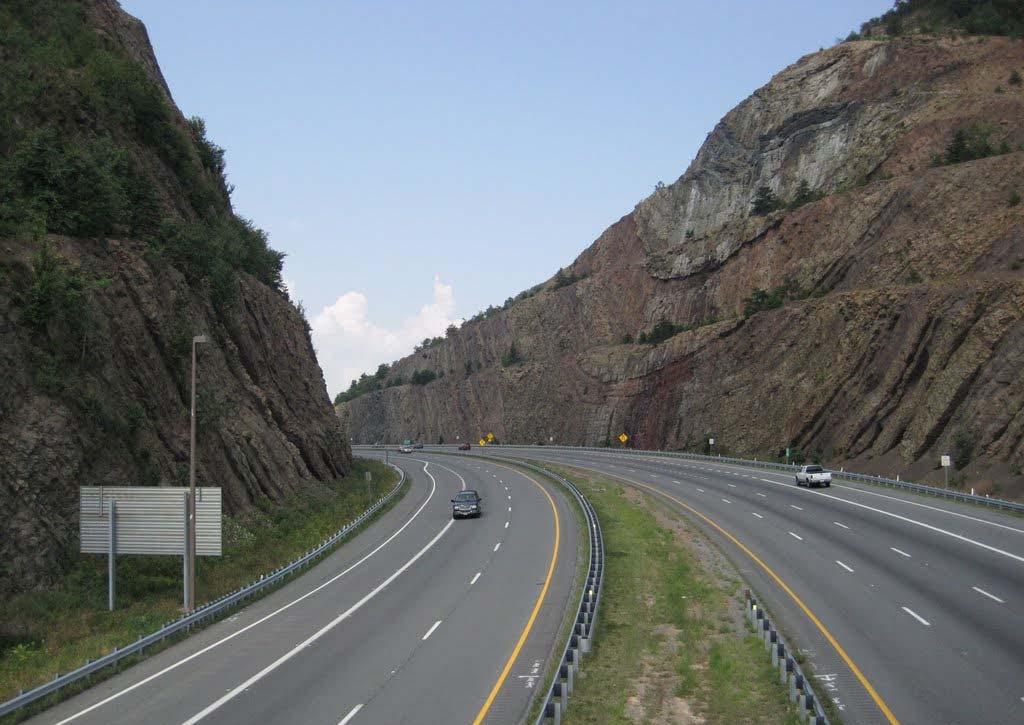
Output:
x,y
466,503
463,446
812,476
405,449
418,446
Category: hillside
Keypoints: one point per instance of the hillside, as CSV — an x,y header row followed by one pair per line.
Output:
x,y
839,270
118,243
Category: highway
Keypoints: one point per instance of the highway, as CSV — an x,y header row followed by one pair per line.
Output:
x,y
910,609
418,619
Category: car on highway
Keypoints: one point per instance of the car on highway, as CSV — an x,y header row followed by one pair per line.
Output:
x,y
463,446
466,503
813,476
418,446
405,449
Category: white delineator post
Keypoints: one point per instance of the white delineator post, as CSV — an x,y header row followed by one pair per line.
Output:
x,y
111,562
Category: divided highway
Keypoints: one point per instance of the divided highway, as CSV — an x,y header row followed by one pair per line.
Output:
x,y
418,619
910,609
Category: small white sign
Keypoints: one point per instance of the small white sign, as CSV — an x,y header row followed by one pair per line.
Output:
x,y
711,441
946,462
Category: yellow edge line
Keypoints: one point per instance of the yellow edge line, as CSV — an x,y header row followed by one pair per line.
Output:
x,y
533,615
785,587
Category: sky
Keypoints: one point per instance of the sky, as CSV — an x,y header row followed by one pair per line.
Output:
x,y
419,161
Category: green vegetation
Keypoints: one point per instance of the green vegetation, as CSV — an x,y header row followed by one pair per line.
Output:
x,y
564,279
1014,199
76,112
970,144
1014,79
974,17
422,377
365,384
671,620
58,630
765,202
663,330
964,443
512,357
761,300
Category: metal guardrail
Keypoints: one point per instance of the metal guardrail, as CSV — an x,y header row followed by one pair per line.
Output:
x,y
790,674
581,636
921,488
204,614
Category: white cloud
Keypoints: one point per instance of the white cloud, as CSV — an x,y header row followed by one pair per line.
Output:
x,y
348,343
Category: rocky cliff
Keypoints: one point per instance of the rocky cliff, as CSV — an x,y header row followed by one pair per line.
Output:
x,y
117,245
839,270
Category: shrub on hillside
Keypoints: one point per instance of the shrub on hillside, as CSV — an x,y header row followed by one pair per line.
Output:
x,y
765,202
968,144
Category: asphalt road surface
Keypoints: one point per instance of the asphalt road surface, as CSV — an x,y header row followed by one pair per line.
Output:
x,y
923,599
418,619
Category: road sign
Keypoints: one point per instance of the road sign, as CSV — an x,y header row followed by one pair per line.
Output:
x,y
711,441
946,463
482,442
623,438
490,437
149,519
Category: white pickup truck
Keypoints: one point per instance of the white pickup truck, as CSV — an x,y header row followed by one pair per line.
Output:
x,y
812,476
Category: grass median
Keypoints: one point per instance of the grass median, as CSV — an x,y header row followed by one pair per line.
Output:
x,y
43,633
672,642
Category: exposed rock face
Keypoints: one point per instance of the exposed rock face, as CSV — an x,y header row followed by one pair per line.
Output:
x,y
901,337
118,414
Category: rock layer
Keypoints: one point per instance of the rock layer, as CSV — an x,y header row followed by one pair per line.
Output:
x,y
901,333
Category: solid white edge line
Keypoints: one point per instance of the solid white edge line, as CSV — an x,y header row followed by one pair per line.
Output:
x,y
986,594
796,536
844,566
431,630
473,580
233,693
901,552
259,621
351,714
916,616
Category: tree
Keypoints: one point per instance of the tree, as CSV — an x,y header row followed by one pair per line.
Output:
x,y
511,357
804,195
765,202
451,331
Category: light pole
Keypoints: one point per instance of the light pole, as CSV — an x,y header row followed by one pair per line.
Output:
x,y
191,584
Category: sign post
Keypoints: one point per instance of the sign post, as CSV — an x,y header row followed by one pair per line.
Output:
x,y
711,446
112,556
787,456
946,461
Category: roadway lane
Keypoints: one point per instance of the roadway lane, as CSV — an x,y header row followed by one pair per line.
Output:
x,y
396,626
926,598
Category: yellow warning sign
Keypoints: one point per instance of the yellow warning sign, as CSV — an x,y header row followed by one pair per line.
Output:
x,y
483,442
490,437
623,438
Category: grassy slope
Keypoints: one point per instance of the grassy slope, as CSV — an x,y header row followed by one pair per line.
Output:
x,y
56,631
671,645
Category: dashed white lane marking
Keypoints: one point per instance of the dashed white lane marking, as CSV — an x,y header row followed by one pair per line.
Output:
x,y
351,714
796,536
844,566
506,524
760,494
754,513
916,616
510,509
795,507
732,485
842,526
901,552
431,630
726,500
674,481
990,596
701,490
497,546
232,694
473,580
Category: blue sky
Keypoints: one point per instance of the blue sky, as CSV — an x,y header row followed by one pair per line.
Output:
x,y
418,161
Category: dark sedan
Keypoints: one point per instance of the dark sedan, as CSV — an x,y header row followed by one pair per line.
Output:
x,y
466,503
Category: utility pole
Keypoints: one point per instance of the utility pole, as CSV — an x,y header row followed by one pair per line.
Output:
x,y
192,486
